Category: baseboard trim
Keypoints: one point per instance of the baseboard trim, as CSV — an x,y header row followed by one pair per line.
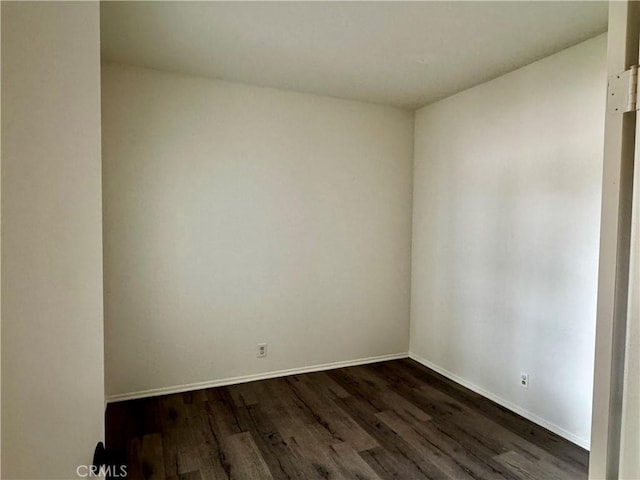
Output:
x,y
251,378
501,401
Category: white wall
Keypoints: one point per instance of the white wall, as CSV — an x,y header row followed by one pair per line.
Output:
x,y
52,329
235,215
507,186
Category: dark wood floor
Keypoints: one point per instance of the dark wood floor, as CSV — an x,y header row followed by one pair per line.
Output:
x,y
387,420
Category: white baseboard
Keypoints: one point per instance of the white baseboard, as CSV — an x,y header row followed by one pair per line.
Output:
x,y
251,378
505,403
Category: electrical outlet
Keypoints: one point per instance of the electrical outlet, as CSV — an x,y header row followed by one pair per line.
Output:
x,y
262,350
524,380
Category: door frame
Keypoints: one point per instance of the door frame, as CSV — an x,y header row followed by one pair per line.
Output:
x,y
615,245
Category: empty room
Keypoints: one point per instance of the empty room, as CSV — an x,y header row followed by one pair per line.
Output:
x,y
320,240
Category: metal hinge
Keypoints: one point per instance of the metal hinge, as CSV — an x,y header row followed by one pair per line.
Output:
x,y
623,91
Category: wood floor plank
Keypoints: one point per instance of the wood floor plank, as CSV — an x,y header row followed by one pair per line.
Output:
x,y
290,412
116,414
213,459
325,385
495,430
405,458
392,420
448,464
380,398
134,461
196,396
365,374
246,393
310,441
224,416
152,457
352,463
317,455
393,373
542,437
395,465
526,469
195,475
341,426
180,452
448,455
283,462
475,452
245,458
450,410
135,418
